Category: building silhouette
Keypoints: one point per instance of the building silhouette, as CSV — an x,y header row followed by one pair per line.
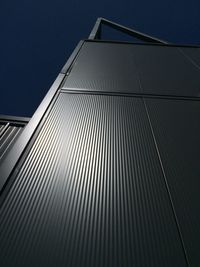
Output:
x,y
106,172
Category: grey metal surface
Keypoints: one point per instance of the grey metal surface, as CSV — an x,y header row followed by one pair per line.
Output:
x,y
130,68
176,125
166,71
193,54
17,119
91,191
104,67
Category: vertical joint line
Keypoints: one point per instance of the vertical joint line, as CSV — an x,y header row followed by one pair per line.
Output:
x,y
189,58
167,186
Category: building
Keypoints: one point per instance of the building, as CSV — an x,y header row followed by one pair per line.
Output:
x,y
106,172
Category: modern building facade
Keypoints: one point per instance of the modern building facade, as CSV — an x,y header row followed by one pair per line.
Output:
x,y
106,172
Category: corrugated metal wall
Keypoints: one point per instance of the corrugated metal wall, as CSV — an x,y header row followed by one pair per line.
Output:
x,y
112,175
9,131
91,191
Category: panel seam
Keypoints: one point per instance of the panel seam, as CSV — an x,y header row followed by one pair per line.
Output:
x,y
189,58
124,94
167,186
164,174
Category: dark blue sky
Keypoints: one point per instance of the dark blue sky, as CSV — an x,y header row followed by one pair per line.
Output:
x,y
37,37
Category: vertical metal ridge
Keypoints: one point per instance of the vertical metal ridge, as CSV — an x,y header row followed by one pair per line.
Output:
x,y
90,192
4,127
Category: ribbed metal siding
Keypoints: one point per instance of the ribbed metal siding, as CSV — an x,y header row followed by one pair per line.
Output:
x,y
104,67
129,68
8,134
91,191
176,125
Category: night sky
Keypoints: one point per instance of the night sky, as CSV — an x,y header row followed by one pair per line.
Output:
x,y
37,37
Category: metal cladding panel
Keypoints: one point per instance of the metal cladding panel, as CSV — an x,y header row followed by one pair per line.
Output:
x,y
129,68
193,54
8,134
177,130
91,191
104,67
166,71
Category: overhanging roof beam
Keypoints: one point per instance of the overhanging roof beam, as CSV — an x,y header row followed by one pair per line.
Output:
x,y
131,32
96,31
